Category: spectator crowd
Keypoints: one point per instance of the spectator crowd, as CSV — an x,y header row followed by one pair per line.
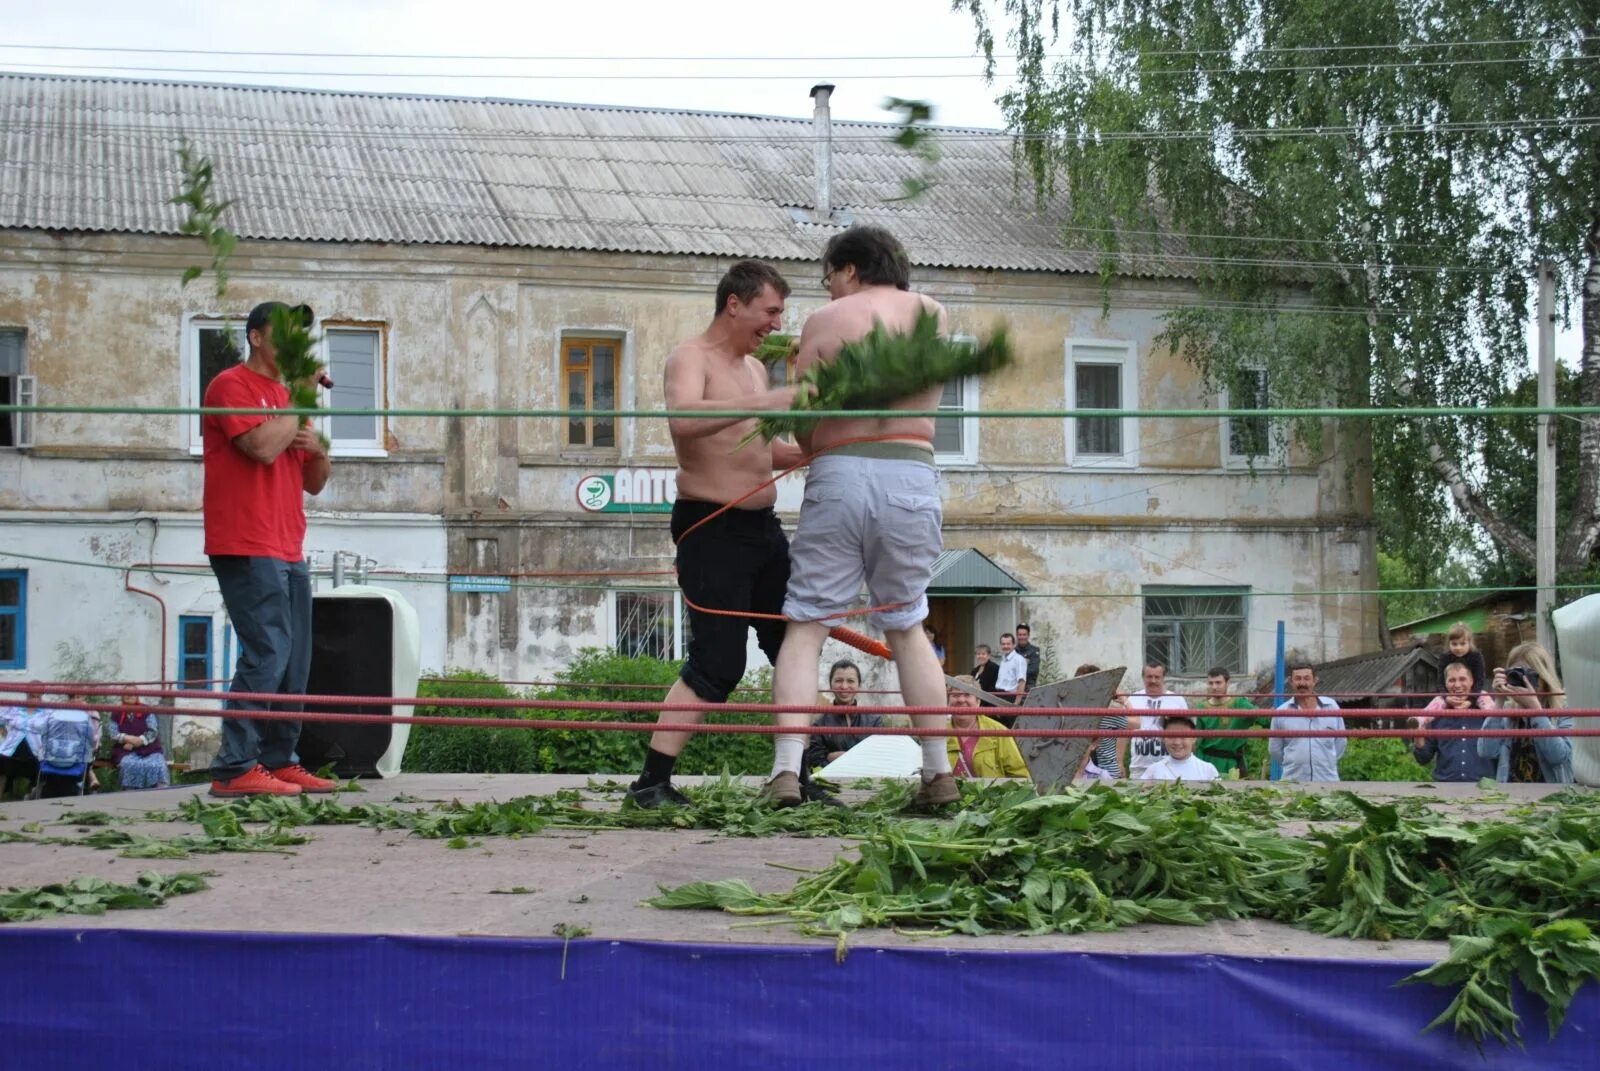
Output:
x,y
1171,738
49,752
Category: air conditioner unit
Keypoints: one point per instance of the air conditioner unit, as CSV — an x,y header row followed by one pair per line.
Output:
x,y
22,423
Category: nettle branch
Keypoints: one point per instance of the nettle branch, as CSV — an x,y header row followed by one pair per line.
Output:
x,y
294,345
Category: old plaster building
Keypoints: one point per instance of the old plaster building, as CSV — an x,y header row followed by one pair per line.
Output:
x,y
467,255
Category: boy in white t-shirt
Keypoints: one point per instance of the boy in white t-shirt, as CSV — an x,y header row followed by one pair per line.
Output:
x,y
1145,709
1180,763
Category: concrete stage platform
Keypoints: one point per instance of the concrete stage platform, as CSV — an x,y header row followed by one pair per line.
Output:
x,y
377,949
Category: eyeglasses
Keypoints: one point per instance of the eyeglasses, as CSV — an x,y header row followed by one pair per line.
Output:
x,y
827,278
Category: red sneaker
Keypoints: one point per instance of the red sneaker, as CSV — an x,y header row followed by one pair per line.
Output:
x,y
255,781
304,779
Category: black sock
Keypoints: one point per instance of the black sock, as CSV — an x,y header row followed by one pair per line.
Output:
x,y
657,768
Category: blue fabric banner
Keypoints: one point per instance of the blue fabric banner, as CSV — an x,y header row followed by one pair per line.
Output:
x,y
136,998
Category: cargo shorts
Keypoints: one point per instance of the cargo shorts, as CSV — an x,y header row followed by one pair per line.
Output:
x,y
865,519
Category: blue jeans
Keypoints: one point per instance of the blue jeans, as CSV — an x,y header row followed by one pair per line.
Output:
x,y
269,603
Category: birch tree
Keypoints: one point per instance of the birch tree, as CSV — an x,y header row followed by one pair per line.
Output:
x,y
1366,188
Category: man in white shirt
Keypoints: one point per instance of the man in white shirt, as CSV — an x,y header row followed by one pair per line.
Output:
x,y
1180,763
1146,706
1307,758
1013,679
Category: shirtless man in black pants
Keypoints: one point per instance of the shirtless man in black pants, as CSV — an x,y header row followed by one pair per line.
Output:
x,y
739,560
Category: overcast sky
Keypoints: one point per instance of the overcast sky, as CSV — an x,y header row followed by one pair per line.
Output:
x,y
767,55
773,53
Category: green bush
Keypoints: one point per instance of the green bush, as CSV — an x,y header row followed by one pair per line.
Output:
x,y
446,749
451,749
1367,759
1380,760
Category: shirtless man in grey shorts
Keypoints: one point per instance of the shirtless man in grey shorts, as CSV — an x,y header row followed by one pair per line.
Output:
x,y
871,512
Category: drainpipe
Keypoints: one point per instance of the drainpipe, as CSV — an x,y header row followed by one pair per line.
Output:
x,y
127,584
822,127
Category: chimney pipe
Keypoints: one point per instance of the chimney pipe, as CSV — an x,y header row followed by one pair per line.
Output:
x,y
822,127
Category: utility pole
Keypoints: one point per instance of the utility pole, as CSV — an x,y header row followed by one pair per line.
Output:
x,y
1545,517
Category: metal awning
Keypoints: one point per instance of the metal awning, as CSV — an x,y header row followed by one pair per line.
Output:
x,y
1374,673
971,572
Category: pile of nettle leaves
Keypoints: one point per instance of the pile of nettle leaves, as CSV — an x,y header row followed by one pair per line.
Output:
x,y
880,368
94,896
1518,899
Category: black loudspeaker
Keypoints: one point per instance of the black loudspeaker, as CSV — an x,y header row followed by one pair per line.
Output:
x,y
352,653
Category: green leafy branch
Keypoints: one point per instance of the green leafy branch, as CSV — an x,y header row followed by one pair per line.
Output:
x,y
915,136
205,215
292,341
883,367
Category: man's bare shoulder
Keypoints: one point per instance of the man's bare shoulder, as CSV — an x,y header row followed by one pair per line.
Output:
x,y
691,351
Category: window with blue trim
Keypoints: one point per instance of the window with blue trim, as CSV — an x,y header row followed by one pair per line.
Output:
x,y
194,650
13,618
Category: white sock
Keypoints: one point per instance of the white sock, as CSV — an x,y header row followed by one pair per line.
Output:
x,y
789,750
935,757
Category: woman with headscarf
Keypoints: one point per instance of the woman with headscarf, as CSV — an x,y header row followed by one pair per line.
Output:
x,y
136,747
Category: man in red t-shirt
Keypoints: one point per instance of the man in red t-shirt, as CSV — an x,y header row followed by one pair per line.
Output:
x,y
257,467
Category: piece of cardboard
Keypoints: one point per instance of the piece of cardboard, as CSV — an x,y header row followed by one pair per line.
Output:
x,y
876,756
1052,761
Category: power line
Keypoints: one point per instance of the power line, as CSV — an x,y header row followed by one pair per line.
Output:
x,y
805,76
1254,50
474,75
1398,45
72,126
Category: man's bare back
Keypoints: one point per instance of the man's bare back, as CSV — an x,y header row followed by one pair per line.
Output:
x,y
851,317
714,467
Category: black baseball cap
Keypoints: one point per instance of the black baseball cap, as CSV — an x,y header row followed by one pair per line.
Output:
x,y
1187,719
261,315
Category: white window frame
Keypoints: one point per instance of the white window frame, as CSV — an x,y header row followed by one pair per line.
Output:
x,y
679,616
1277,447
971,407
1111,352
375,447
625,392
26,393
189,374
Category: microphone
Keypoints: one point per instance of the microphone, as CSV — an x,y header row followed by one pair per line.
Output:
x,y
325,380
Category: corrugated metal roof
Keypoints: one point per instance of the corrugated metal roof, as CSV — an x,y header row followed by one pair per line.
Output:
x,y
970,570
1375,673
84,154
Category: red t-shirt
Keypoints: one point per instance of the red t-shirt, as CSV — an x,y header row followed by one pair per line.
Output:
x,y
251,509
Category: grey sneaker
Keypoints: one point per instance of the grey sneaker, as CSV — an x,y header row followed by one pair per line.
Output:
x,y
783,790
940,792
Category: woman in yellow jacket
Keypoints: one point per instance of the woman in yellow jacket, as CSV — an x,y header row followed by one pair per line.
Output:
x,y
980,756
